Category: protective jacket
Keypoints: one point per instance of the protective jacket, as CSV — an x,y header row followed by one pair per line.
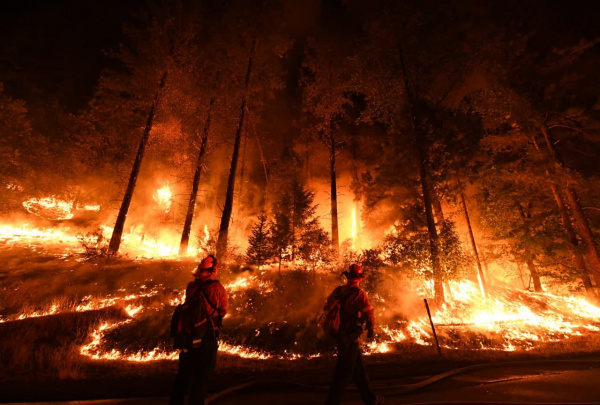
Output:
x,y
356,310
217,304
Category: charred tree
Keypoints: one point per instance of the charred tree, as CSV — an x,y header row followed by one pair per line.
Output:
x,y
334,208
437,209
115,240
535,276
187,226
586,232
228,207
568,226
472,238
580,219
573,241
423,162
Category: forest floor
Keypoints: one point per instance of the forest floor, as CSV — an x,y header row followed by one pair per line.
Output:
x,y
53,302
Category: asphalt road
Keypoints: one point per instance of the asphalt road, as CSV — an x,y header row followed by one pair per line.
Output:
x,y
569,383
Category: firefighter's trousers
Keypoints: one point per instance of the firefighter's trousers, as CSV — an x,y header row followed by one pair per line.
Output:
x,y
349,365
196,366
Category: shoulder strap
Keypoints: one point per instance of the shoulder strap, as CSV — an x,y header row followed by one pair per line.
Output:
x,y
195,293
345,296
203,290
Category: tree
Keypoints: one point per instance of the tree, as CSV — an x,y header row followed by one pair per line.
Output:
x,y
260,21
295,231
19,150
228,207
327,87
155,47
259,243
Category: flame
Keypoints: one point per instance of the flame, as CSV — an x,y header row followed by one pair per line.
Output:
x,y
515,320
50,208
206,234
163,197
15,233
354,232
90,207
505,320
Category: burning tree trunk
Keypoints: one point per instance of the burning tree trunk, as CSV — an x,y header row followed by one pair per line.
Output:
x,y
115,240
472,240
573,242
187,226
334,210
537,284
580,219
437,209
426,188
566,221
586,232
228,207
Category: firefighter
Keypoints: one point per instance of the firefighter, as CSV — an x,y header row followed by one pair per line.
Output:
x,y
197,364
354,312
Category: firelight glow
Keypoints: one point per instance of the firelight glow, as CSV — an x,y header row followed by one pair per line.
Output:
x,y
164,197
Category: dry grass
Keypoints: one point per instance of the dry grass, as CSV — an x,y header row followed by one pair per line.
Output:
x,y
48,347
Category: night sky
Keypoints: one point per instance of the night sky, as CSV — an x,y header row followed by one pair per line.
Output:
x,y
53,51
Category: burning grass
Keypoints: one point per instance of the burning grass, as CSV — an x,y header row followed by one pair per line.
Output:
x,y
68,318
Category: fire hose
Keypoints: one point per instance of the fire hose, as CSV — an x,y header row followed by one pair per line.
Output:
x,y
403,388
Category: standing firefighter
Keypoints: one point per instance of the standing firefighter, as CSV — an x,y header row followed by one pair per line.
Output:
x,y
346,310
195,327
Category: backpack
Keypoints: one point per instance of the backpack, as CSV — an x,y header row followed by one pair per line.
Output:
x,y
190,320
331,320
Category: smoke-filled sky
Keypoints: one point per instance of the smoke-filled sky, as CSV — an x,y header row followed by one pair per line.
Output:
x,y
53,51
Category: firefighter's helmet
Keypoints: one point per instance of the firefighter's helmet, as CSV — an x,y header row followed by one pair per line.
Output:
x,y
354,272
208,265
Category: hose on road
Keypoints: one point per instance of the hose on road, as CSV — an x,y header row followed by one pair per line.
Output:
x,y
404,388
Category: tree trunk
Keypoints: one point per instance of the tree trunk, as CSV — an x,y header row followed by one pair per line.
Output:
x,y
187,226
228,207
573,242
472,239
486,269
520,270
423,171
357,242
580,219
537,285
586,232
334,209
437,209
115,240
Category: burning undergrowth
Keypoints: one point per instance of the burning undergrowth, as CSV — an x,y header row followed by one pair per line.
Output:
x,y
119,309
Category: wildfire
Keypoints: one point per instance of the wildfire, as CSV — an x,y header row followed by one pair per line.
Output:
x,y
50,208
504,320
14,233
354,232
89,207
508,320
163,197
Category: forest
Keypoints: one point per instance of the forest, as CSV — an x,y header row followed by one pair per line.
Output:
x,y
450,150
